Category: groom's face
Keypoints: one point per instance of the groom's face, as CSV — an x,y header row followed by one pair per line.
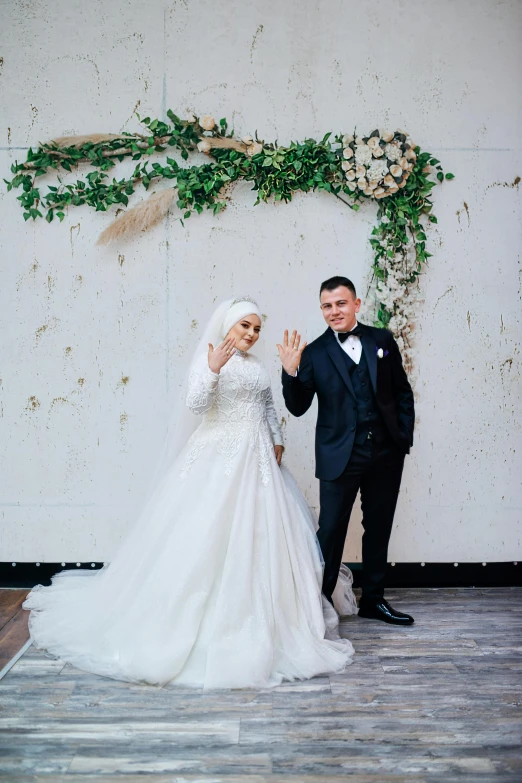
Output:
x,y
339,308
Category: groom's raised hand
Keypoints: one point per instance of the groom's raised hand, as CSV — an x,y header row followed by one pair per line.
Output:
x,y
290,352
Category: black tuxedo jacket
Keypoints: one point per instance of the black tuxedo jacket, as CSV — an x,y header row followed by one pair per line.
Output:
x,y
323,371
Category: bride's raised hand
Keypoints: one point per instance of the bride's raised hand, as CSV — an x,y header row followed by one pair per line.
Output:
x,y
218,357
290,352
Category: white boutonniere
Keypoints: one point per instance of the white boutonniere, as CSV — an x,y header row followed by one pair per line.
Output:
x,y
381,353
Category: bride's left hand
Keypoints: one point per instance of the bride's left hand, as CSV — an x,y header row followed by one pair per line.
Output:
x,y
278,450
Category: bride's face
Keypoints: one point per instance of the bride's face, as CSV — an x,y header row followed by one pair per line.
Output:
x,y
246,332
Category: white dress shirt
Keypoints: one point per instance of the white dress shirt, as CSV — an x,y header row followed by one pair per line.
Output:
x,y
352,346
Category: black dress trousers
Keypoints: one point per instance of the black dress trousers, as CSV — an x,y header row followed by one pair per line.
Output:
x,y
376,469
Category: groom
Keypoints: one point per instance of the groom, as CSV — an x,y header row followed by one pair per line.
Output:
x,y
364,430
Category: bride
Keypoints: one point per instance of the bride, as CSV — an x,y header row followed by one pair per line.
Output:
x,y
218,584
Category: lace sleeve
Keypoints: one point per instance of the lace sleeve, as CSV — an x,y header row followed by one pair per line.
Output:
x,y
273,421
202,388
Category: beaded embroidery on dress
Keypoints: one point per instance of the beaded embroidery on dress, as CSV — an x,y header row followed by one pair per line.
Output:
x,y
244,408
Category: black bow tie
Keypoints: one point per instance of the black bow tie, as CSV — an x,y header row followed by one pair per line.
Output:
x,y
357,332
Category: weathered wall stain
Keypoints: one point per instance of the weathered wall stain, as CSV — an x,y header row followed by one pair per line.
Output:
x,y
513,184
438,300
73,229
254,41
466,209
56,400
123,421
39,332
34,113
33,403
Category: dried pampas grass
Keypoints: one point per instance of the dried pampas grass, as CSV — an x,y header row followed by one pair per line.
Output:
x,y
140,218
88,138
229,144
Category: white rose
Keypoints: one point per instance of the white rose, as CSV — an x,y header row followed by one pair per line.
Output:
x,y
410,154
386,135
393,188
191,118
368,192
363,154
403,163
351,186
360,171
377,170
247,140
359,141
388,180
393,152
395,170
378,152
347,139
373,142
204,146
346,165
350,174
207,122
378,192
380,353
347,152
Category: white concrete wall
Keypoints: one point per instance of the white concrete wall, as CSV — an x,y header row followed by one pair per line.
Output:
x,y
95,341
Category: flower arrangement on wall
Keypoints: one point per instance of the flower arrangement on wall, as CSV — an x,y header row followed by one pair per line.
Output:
x,y
384,166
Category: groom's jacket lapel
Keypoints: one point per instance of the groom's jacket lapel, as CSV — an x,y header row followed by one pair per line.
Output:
x,y
336,355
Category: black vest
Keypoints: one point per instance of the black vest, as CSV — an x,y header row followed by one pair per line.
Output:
x,y
369,417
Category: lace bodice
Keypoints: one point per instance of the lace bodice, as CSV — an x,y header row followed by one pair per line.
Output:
x,y
235,404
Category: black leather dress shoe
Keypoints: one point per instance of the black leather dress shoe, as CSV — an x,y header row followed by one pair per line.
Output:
x,y
381,610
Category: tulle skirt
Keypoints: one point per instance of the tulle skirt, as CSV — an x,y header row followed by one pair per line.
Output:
x,y
217,585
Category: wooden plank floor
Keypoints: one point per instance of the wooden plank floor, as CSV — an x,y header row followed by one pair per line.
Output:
x,y
438,701
13,624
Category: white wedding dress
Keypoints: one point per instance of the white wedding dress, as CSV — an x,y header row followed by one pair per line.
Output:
x,y
219,585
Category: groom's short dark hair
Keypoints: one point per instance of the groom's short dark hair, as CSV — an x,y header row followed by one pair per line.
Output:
x,y
334,282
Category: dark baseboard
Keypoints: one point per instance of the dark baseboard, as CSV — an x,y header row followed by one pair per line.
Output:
x,y
448,574
399,574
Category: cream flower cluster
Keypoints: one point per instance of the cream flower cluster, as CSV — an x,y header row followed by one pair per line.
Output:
x,y
378,165
398,292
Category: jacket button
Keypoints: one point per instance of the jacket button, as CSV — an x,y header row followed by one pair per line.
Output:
x,y
353,429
